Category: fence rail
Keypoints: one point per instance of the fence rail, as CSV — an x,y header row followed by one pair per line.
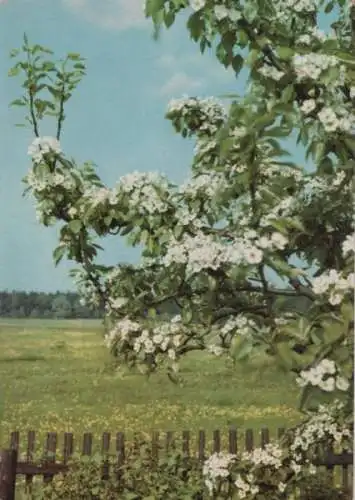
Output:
x,y
13,463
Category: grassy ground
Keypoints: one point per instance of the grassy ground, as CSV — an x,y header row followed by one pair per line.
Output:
x,y
57,376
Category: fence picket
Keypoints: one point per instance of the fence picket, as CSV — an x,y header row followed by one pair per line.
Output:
x,y
68,448
31,437
186,442
120,451
265,437
201,445
8,462
49,453
155,447
169,441
15,440
232,441
105,452
249,440
87,443
216,442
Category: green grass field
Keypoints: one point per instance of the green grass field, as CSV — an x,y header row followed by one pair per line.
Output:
x,y
57,376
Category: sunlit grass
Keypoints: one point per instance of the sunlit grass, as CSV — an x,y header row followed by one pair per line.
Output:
x,y
58,377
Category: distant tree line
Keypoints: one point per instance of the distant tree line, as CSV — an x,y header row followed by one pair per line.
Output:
x,y
66,305
61,305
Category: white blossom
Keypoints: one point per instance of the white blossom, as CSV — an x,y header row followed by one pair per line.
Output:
x,y
221,12
308,106
349,245
342,384
328,384
279,241
311,65
197,4
271,72
43,145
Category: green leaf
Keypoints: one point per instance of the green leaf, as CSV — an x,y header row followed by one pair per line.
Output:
x,y
14,71
152,313
75,226
108,219
346,57
285,52
212,283
237,63
332,332
277,132
347,311
285,354
329,7
196,26
243,38
350,144
325,166
18,102
186,315
241,347
127,229
280,266
58,254
306,394
153,6
14,52
178,231
169,18
73,56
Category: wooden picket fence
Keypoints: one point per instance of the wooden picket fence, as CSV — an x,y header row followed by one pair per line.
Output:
x,y
12,464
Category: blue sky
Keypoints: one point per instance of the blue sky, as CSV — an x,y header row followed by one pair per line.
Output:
x,y
116,117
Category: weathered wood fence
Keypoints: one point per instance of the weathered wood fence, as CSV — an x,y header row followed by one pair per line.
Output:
x,y
12,464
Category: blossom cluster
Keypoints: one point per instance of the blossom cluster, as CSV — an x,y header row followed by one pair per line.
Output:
x,y
315,186
323,426
271,72
51,180
43,145
246,486
207,184
96,196
336,119
312,65
219,467
334,283
270,455
185,216
222,12
202,251
315,376
200,115
332,117
276,460
215,349
87,290
142,192
301,5
162,337
240,323
216,467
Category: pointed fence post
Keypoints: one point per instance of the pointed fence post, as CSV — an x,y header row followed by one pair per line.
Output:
x,y
8,464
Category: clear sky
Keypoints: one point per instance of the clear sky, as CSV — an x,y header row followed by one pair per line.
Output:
x,y
115,118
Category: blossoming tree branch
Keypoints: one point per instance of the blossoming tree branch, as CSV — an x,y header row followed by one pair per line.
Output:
x,y
214,246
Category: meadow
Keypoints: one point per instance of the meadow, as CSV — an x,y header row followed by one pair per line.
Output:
x,y
57,376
